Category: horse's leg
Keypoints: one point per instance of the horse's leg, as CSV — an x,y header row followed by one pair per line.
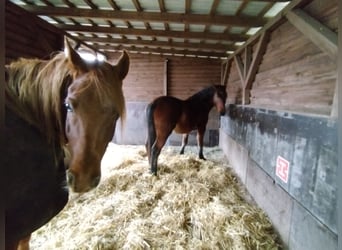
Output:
x,y
200,136
24,244
157,147
184,142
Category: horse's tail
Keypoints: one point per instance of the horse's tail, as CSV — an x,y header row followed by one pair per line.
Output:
x,y
151,129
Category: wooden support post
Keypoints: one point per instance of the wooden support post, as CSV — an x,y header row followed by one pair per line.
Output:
x,y
225,74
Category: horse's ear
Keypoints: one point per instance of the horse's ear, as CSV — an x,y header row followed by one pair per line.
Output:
x,y
73,57
122,65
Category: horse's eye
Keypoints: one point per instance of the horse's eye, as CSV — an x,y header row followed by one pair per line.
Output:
x,y
68,107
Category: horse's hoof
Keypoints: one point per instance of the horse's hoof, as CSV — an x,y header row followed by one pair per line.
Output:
x,y
153,173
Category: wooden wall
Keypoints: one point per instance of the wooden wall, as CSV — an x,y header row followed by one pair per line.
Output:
x,y
152,76
294,74
187,76
28,36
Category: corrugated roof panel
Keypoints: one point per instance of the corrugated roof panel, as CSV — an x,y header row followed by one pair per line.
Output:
x,y
150,5
125,5
252,31
162,39
254,8
157,26
276,8
194,40
146,38
80,4
217,28
173,6
201,6
176,26
119,24
48,19
137,25
57,3
178,40
228,7
211,41
237,30
131,37
196,27
103,4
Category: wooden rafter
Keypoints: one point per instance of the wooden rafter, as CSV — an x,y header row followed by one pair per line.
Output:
x,y
147,16
186,45
226,70
160,33
248,68
161,51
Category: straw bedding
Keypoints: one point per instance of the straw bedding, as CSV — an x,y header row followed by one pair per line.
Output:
x,y
192,204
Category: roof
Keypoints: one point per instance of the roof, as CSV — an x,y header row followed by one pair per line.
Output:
x,y
192,28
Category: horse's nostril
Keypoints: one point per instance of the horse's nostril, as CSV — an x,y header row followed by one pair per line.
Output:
x,y
70,178
96,181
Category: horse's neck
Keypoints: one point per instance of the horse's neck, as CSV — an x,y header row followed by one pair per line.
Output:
x,y
202,101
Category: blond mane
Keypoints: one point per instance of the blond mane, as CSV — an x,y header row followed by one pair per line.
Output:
x,y
35,90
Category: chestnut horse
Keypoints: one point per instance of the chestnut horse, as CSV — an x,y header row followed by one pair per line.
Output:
x,y
55,108
167,113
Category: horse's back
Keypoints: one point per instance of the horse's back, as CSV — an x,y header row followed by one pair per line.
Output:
x,y
167,109
35,179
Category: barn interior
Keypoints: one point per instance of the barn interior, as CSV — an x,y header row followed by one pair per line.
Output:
x,y
277,59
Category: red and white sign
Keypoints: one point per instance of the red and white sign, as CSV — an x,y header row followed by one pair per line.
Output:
x,y
282,169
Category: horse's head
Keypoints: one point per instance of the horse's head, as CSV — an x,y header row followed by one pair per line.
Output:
x,y
220,97
94,102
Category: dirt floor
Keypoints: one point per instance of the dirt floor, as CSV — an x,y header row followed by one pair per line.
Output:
x,y
191,204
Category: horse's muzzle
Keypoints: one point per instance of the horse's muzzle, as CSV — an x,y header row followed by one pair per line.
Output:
x,y
79,186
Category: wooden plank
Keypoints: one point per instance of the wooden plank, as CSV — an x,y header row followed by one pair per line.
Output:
x,y
319,34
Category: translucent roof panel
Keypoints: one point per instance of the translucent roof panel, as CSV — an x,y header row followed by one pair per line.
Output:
x,y
201,6
176,26
157,26
228,7
125,5
217,28
150,5
254,8
277,7
175,6
196,27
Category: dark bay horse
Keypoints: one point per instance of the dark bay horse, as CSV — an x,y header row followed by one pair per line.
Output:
x,y
61,107
167,113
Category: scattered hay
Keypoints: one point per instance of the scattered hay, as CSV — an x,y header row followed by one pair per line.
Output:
x,y
193,204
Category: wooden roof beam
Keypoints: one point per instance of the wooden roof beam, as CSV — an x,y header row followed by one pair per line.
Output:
x,y
243,21
186,45
154,33
160,51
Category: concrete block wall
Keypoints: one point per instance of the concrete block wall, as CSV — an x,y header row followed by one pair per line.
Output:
x,y
304,208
